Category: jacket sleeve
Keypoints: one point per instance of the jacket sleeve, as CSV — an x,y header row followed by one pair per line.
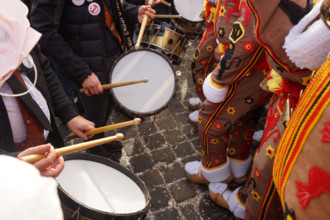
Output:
x,y
61,104
136,2
131,13
45,17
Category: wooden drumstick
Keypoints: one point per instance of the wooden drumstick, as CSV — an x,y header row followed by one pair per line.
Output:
x,y
143,26
118,84
74,148
108,128
167,16
165,3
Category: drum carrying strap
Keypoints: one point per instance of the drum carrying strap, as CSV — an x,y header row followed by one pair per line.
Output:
x,y
121,25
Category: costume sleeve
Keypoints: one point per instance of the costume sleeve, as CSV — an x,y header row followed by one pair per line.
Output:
x,y
241,54
61,104
45,17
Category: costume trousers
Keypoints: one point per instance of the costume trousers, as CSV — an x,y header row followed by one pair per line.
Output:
x,y
262,199
206,58
230,124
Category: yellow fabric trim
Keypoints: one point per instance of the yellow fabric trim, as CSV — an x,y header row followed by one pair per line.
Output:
x,y
215,85
239,201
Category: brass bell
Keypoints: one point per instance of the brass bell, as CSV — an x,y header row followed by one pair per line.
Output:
x,y
286,114
264,85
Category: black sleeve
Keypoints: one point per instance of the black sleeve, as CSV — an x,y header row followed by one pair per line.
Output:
x,y
136,2
61,104
131,13
45,17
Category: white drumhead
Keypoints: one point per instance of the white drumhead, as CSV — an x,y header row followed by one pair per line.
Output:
x,y
143,97
189,9
101,187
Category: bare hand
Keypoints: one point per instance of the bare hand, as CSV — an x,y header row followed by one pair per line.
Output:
x,y
155,2
146,9
48,166
92,85
79,125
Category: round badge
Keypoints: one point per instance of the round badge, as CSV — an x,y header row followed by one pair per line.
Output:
x,y
78,2
94,8
28,61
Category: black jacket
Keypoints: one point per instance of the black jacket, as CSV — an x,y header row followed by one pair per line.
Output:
x,y
58,103
74,37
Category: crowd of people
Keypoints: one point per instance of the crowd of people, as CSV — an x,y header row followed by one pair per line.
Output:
x,y
251,52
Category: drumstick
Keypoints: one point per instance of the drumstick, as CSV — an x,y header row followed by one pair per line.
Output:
x,y
118,84
143,26
73,148
108,128
167,16
165,3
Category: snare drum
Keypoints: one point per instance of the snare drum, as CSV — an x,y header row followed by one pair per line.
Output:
x,y
143,99
167,39
190,21
93,187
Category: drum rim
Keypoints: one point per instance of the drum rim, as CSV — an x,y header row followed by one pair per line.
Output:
x,y
118,167
134,113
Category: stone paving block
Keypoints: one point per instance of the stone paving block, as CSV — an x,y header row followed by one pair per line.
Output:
x,y
129,132
147,127
176,107
183,190
174,136
190,213
190,131
164,155
184,149
141,163
182,119
154,141
159,198
169,214
210,211
166,123
173,173
196,143
152,178
191,158
133,146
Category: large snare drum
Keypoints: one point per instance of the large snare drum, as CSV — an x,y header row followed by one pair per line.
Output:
x,y
93,187
143,99
190,21
167,39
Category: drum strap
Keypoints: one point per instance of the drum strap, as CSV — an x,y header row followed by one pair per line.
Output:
x,y
121,25
34,130
110,24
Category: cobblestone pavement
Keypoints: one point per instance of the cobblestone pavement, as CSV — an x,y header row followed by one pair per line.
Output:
x,y
157,149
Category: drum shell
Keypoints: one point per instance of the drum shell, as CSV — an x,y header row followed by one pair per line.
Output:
x,y
167,39
73,209
133,113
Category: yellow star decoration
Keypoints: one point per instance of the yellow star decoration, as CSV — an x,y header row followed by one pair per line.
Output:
x,y
222,11
306,80
255,195
209,48
215,65
231,151
231,110
199,119
270,152
200,81
214,141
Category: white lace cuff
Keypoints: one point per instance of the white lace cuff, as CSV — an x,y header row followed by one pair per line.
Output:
x,y
217,174
213,93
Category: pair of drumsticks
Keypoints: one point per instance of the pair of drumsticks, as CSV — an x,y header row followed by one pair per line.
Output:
x,y
85,145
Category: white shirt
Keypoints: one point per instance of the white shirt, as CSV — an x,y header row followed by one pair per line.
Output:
x,y
14,113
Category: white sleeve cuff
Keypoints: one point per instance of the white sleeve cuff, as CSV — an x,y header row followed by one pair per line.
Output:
x,y
213,93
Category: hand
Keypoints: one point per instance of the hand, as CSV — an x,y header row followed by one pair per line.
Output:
x,y
78,125
155,2
48,166
146,9
92,85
